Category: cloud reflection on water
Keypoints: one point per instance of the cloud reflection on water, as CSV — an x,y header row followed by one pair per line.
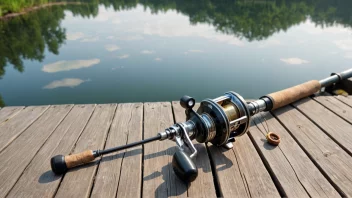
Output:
x,y
66,82
294,61
64,65
111,47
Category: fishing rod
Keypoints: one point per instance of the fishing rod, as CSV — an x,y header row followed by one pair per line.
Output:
x,y
218,121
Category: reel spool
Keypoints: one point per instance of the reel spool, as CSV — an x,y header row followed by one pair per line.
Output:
x,y
219,120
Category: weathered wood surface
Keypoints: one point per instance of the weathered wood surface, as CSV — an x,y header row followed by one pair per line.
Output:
x,y
78,181
288,161
159,180
15,126
313,159
203,186
115,175
333,161
38,180
8,112
253,171
337,128
15,158
237,174
347,100
336,106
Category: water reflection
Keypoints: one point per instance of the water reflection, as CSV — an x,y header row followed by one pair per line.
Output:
x,y
69,65
26,37
74,36
67,82
2,103
41,33
294,61
111,47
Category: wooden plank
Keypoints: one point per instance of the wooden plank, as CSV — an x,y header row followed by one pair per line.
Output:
x,y
331,159
347,100
131,181
38,180
120,174
159,180
11,129
8,112
288,162
337,128
78,181
228,172
336,106
253,171
203,186
276,162
15,158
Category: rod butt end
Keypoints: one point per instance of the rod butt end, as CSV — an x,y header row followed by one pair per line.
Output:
x,y
58,164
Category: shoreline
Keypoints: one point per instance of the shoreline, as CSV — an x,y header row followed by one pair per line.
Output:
x,y
34,8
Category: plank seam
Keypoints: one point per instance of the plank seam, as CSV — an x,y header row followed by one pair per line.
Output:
x,y
124,153
295,173
324,131
73,147
12,115
20,133
242,175
283,153
342,101
38,150
331,109
216,180
98,162
142,168
276,181
326,176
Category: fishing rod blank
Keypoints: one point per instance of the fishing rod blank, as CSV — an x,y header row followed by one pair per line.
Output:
x,y
218,121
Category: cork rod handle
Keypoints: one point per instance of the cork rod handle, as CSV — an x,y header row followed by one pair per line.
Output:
x,y
290,95
79,158
60,164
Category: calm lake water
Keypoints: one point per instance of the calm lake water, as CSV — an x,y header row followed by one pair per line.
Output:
x,y
159,51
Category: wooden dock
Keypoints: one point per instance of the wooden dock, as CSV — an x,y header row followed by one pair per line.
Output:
x,y
312,160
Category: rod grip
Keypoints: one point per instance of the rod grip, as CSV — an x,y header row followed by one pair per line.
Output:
x,y
79,158
292,94
60,164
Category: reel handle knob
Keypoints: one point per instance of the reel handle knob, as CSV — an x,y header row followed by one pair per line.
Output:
x,y
184,167
187,102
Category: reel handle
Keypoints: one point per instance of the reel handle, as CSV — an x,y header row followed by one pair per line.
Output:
x,y
60,164
184,167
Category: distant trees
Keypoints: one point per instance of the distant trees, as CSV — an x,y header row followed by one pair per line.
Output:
x,y
26,37
2,103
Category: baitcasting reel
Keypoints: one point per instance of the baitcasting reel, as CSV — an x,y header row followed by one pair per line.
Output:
x,y
217,121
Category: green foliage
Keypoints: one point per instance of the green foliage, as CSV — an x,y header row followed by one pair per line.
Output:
x,y
9,6
26,37
2,103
